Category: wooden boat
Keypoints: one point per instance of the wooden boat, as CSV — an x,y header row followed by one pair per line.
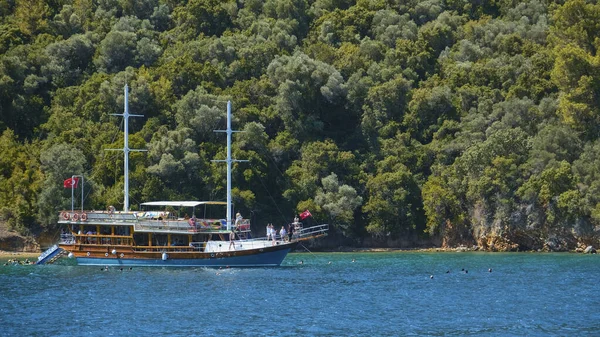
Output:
x,y
108,238
163,238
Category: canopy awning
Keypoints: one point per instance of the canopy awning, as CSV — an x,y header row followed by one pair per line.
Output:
x,y
183,203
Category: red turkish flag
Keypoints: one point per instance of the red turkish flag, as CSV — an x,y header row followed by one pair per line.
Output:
x,y
305,215
71,182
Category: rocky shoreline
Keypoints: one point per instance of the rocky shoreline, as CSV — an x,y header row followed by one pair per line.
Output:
x,y
461,248
13,242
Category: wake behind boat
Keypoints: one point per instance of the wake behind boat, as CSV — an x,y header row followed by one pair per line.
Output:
x,y
160,236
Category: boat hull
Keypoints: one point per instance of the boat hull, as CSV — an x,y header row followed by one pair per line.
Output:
x,y
268,257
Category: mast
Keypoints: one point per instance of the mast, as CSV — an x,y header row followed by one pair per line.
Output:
x,y
228,165
73,192
229,160
126,148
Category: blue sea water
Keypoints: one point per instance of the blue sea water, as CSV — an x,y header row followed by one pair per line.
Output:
x,y
380,294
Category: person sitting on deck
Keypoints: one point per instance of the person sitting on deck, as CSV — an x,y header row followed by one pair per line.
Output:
x,y
238,219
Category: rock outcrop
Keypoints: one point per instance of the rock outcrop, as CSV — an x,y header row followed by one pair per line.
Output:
x,y
14,242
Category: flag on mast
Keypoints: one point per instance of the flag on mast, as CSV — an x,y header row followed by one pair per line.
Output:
x,y
305,215
71,182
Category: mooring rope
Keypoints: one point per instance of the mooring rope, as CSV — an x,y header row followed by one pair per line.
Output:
x,y
307,249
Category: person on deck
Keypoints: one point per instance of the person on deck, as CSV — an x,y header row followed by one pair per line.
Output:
x,y
238,219
231,238
283,233
290,232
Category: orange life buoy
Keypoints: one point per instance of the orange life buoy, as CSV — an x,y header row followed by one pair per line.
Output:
x,y
65,215
83,216
75,216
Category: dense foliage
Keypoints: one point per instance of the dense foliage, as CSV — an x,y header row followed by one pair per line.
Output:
x,y
441,121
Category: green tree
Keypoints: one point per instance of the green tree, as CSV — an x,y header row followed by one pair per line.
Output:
x,y
310,97
58,162
20,182
339,202
31,15
394,205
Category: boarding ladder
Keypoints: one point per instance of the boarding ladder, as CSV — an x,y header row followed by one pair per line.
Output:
x,y
242,230
51,255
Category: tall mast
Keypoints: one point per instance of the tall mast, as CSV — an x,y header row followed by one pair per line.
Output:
x,y
229,160
228,165
126,148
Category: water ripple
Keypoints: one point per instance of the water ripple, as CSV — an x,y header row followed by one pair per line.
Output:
x,y
377,294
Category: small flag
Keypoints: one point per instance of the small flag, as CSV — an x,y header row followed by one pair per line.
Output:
x,y
71,182
305,215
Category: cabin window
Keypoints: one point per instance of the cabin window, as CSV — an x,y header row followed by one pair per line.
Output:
x,y
160,240
140,239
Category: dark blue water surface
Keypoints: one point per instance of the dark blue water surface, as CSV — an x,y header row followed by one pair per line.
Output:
x,y
380,294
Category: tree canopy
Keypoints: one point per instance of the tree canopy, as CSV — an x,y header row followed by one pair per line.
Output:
x,y
445,122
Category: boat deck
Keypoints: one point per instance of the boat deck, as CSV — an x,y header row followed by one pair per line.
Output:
x,y
155,224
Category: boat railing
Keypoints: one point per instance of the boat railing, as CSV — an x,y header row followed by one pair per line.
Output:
x,y
67,238
112,216
103,239
97,217
192,247
243,226
299,233
314,231
169,224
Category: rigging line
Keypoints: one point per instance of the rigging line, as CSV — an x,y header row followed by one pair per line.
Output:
x,y
303,246
137,202
270,196
268,154
206,97
118,130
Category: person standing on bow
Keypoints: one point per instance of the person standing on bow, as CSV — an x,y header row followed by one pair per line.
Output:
x,y
283,234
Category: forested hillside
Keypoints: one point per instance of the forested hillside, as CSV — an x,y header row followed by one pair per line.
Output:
x,y
400,123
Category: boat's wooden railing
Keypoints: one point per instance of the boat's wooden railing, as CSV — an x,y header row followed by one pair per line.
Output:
x,y
193,247
103,239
